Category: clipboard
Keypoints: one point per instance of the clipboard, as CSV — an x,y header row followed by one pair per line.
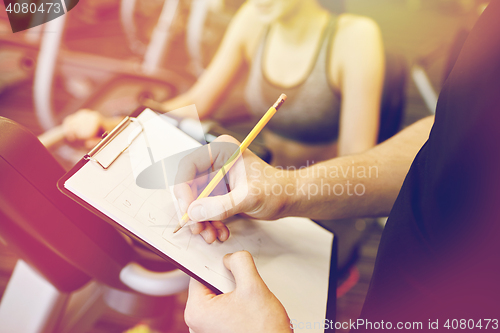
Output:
x,y
292,247
107,138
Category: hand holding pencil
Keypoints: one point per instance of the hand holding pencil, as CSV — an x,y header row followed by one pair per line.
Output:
x,y
195,165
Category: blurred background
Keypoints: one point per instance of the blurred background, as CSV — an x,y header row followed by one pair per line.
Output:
x,y
111,55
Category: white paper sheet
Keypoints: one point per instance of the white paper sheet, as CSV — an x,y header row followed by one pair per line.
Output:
x,y
292,254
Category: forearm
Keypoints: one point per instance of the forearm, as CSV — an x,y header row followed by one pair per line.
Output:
x,y
202,95
359,185
215,81
184,100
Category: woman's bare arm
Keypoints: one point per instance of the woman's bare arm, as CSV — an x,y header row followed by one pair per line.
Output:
x,y
216,79
361,75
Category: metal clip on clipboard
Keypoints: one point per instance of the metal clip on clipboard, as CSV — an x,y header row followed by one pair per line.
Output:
x,y
91,156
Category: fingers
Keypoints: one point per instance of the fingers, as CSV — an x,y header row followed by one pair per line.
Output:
x,y
194,163
84,124
222,230
184,196
219,207
197,227
204,158
242,266
196,167
210,231
191,175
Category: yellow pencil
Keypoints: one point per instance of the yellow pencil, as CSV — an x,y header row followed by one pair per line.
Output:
x,y
232,160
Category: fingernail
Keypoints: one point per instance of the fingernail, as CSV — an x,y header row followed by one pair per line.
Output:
x,y
206,236
198,213
219,234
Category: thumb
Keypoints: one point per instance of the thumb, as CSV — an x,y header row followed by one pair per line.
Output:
x,y
219,207
242,266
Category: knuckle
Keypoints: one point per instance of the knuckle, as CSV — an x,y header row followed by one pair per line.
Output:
x,y
225,137
224,215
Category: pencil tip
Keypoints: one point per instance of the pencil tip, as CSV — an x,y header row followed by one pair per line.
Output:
x,y
177,228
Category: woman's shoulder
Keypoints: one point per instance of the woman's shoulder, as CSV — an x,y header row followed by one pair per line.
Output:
x,y
352,27
356,36
247,27
247,20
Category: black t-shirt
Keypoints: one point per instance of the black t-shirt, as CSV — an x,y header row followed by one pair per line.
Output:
x,y
439,257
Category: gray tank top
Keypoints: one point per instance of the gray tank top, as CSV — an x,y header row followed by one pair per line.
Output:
x,y
312,110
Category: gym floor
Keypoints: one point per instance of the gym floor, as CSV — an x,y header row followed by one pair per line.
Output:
x,y
415,28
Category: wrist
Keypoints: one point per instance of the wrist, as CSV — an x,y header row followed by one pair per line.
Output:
x,y
272,192
293,199
311,193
